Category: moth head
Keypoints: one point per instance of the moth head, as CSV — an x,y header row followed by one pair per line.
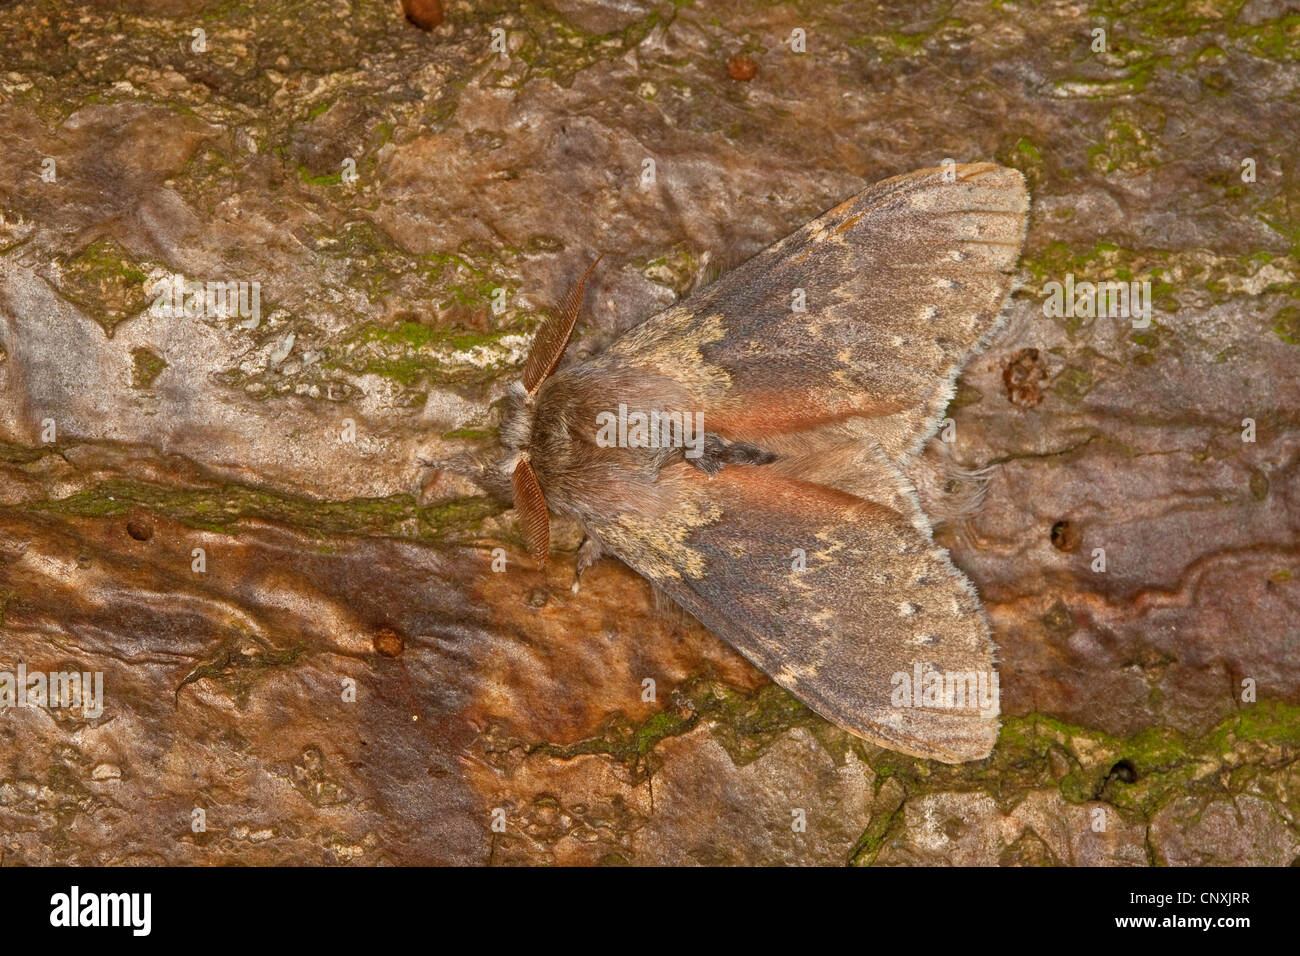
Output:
x,y
517,427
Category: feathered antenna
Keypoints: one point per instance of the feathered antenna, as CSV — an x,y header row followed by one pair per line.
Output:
x,y
534,522
548,348
553,336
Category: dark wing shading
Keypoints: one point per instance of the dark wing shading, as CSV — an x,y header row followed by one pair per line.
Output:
x,y
877,597
900,284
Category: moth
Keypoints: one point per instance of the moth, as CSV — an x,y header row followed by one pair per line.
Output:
x,y
783,511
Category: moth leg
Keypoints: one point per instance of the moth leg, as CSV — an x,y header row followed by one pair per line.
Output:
x,y
589,552
467,464
717,453
473,468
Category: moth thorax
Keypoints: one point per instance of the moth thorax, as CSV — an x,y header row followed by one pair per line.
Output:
x,y
517,424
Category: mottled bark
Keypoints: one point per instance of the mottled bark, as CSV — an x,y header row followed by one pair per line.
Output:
x,y
289,450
